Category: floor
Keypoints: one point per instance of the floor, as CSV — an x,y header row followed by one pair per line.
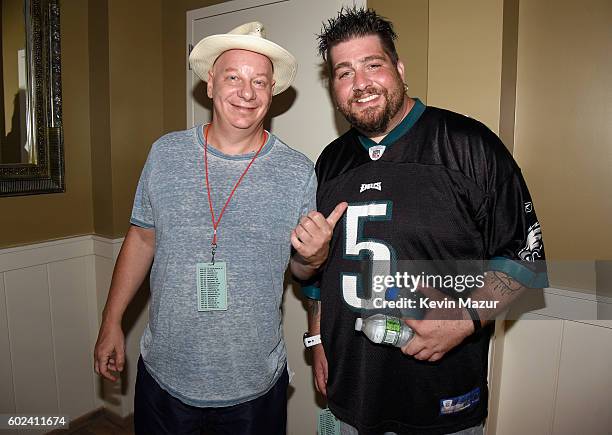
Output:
x,y
101,424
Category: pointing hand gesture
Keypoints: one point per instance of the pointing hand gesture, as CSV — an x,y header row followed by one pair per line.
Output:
x,y
311,236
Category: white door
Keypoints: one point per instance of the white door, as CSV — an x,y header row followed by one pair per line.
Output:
x,y
303,116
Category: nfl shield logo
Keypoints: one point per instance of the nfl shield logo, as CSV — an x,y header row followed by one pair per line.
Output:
x,y
376,151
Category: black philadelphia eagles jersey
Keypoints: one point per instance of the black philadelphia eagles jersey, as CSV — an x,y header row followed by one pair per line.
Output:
x,y
446,188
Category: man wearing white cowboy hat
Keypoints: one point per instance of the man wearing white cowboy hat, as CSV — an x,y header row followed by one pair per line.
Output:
x,y
215,214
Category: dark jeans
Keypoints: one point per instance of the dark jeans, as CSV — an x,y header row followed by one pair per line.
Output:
x,y
157,412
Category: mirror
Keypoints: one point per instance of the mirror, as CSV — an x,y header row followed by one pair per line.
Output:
x,y
31,139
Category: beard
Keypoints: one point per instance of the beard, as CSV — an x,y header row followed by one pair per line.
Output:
x,y
374,120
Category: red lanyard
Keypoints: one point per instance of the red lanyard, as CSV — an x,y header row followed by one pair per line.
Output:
x,y
212,212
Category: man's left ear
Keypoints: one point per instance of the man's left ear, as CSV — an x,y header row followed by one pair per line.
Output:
x,y
273,84
400,69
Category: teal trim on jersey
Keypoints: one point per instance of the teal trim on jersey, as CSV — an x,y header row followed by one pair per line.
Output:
x,y
312,292
516,270
399,130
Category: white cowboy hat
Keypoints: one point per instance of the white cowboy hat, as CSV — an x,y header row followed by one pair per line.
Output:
x,y
251,37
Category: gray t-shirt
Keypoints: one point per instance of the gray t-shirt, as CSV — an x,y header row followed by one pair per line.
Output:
x,y
219,358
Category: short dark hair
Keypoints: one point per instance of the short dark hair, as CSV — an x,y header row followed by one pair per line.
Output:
x,y
356,23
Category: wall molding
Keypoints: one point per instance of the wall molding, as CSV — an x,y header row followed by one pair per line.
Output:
x,y
65,283
81,268
557,303
58,250
564,304
107,248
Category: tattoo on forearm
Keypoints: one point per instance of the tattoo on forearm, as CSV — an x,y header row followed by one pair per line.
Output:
x,y
503,284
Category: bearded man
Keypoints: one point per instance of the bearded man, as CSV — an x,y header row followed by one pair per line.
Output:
x,y
422,183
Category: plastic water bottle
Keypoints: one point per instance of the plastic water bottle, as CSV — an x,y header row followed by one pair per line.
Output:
x,y
383,329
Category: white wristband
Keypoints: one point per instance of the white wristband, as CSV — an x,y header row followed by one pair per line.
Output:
x,y
312,340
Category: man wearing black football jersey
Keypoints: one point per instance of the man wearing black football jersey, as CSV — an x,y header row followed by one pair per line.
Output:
x,y
422,184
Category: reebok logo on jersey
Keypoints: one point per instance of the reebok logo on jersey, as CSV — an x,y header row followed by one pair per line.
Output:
x,y
377,186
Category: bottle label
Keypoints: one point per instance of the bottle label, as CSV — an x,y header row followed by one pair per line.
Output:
x,y
393,328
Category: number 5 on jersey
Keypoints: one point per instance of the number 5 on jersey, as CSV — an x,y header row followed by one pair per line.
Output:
x,y
356,247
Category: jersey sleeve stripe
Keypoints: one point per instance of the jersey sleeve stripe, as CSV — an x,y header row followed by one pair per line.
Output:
x,y
529,278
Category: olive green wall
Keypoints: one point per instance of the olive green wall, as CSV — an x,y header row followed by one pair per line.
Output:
x,y
411,22
563,134
546,91
140,95
564,113
135,78
465,57
507,106
124,85
25,219
99,97
174,28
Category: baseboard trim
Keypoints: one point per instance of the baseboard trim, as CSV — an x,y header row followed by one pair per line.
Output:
x,y
123,422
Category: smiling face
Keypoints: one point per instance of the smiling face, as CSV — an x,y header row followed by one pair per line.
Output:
x,y
240,85
367,88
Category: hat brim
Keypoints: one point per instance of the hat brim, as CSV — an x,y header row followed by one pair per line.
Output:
x,y
204,54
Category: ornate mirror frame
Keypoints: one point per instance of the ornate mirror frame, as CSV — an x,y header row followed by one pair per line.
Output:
x,y
43,106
